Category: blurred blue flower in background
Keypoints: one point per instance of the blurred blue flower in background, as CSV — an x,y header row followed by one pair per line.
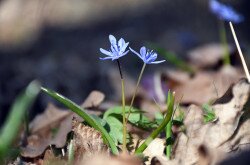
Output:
x,y
117,49
147,56
225,12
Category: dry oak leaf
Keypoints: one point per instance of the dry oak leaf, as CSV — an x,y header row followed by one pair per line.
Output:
x,y
216,137
49,128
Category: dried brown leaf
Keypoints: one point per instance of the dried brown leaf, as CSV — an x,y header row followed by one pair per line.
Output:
x,y
208,55
87,141
206,86
94,99
49,128
107,160
209,142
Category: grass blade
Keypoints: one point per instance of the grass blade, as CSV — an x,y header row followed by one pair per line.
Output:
x,y
89,119
161,127
16,116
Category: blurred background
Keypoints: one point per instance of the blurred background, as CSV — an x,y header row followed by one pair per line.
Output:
x,y
57,42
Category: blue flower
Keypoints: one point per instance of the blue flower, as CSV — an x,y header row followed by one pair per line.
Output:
x,y
225,12
147,56
117,50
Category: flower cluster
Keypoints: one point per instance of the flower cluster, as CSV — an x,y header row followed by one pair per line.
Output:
x,y
225,12
118,50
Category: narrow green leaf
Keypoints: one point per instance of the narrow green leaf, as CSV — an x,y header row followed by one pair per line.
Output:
x,y
87,118
161,127
11,126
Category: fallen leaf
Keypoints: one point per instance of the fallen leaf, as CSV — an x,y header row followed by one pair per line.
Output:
x,y
116,160
154,149
211,141
49,128
205,86
87,142
94,99
208,55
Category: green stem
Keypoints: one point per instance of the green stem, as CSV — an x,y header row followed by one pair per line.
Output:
x,y
223,39
136,89
124,138
161,127
169,139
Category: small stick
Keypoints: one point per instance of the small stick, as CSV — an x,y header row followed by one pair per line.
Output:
x,y
63,152
240,52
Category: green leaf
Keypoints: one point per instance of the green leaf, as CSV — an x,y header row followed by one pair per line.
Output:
x,y
87,118
99,120
209,114
136,117
15,118
161,127
115,126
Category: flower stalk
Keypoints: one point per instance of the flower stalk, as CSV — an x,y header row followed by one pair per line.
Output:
x,y
124,139
135,92
223,39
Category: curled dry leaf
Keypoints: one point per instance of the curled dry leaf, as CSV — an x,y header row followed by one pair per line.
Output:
x,y
205,86
209,142
87,141
49,128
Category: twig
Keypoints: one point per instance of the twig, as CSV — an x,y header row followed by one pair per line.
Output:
x,y
240,52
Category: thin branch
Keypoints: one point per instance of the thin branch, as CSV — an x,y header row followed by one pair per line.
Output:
x,y
240,52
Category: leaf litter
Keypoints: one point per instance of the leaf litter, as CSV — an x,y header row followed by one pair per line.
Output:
x,y
223,92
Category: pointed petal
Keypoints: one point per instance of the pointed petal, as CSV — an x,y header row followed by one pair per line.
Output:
x,y
105,58
157,62
121,42
123,54
124,47
108,53
143,51
135,53
112,39
150,57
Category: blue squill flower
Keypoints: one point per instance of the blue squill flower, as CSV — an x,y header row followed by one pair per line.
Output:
x,y
117,50
147,56
225,12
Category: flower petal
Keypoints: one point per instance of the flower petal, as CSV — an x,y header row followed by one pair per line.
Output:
x,y
108,53
136,53
124,47
123,54
112,39
121,42
151,56
105,58
157,62
143,52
